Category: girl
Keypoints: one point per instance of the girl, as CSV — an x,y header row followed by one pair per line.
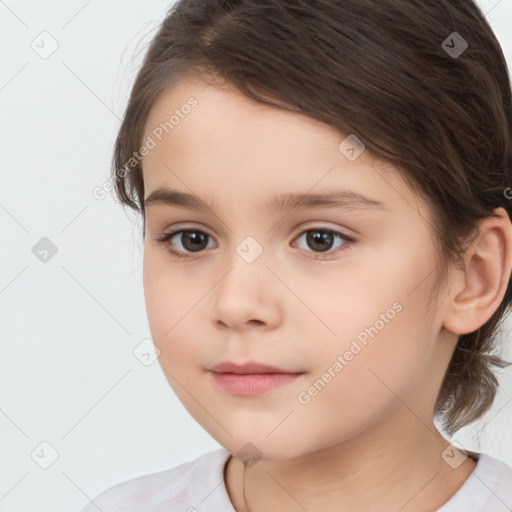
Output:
x,y
325,193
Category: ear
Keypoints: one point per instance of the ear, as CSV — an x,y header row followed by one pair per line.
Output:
x,y
478,290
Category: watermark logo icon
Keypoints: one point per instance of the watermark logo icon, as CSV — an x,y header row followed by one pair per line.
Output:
x,y
249,453
146,352
45,45
44,455
454,45
352,148
249,249
454,455
44,250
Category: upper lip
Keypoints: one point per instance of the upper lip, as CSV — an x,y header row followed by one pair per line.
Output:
x,y
246,368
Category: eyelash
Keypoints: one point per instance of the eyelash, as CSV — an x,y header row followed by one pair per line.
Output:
x,y
166,237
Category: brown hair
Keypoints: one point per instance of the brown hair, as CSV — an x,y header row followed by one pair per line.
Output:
x,y
379,70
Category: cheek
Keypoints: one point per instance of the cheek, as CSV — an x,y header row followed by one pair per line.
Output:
x,y
370,381
171,299
383,341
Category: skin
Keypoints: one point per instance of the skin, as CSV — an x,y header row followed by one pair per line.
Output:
x,y
368,437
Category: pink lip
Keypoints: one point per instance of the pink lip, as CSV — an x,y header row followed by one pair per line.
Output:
x,y
250,378
250,367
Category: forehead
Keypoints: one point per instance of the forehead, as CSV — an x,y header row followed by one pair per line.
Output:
x,y
214,138
222,113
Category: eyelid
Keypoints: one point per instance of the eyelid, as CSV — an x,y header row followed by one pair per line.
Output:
x,y
311,225
319,224
179,227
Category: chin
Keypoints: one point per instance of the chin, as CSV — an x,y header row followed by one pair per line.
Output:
x,y
258,448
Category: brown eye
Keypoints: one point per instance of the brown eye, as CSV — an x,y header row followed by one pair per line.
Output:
x,y
193,240
187,241
322,240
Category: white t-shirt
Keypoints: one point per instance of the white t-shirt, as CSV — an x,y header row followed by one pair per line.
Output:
x,y
198,486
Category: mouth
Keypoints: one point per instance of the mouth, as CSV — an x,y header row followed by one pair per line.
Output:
x,y
251,378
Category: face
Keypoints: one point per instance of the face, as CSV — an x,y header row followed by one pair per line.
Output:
x,y
335,292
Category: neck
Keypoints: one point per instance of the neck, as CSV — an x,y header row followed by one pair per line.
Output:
x,y
395,467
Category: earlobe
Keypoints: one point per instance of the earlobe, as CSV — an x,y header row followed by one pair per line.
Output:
x,y
481,286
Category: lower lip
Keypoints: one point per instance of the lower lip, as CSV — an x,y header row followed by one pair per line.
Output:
x,y
252,384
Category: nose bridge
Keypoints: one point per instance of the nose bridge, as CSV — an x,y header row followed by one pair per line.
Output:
x,y
244,293
246,268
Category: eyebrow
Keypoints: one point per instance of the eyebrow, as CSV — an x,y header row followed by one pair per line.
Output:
x,y
337,198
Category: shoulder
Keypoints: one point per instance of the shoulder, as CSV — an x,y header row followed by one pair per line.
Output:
x,y
496,474
183,486
488,488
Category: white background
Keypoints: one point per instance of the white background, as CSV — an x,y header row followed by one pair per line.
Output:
x,y
69,326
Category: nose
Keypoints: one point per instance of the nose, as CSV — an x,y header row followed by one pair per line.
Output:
x,y
247,296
